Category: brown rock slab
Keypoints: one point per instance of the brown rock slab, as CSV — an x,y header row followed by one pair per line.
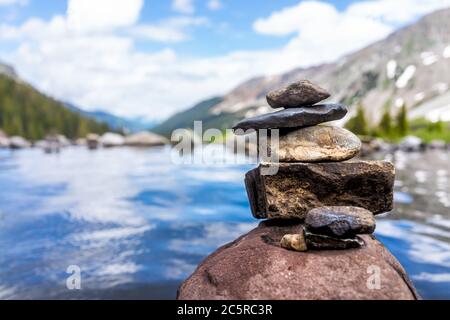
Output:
x,y
316,144
340,222
298,94
256,267
299,187
324,242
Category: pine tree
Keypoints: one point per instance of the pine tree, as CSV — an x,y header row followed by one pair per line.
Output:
x,y
402,121
385,126
358,124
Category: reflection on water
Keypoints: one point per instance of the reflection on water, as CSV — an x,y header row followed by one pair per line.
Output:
x,y
137,224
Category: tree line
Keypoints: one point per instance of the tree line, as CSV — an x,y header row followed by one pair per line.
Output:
x,y
394,127
28,113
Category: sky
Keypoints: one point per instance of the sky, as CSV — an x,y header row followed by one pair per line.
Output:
x,y
153,58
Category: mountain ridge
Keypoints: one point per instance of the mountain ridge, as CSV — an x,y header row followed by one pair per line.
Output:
x,y
410,66
113,121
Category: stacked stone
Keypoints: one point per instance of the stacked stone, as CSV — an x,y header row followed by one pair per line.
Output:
x,y
315,183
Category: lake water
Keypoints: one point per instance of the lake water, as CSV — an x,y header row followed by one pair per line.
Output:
x,y
137,225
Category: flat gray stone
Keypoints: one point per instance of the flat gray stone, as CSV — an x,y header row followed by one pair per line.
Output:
x,y
294,117
340,222
316,144
323,242
298,94
297,188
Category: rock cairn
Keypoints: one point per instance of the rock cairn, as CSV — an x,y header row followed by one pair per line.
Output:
x,y
319,201
336,199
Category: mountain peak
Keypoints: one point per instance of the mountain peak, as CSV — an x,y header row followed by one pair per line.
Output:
x,y
411,66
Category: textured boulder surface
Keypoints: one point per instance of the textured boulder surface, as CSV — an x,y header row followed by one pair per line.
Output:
x,y
256,267
340,222
298,94
300,187
294,118
316,144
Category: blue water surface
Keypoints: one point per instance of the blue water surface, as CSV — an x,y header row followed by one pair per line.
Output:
x,y
137,224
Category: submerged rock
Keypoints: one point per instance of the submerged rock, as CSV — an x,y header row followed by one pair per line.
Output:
x,y
296,242
92,141
411,144
17,142
145,139
110,139
299,187
298,94
324,242
340,222
317,144
294,117
255,266
437,144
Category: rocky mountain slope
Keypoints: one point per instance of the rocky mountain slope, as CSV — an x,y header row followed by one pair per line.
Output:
x,y
410,66
7,71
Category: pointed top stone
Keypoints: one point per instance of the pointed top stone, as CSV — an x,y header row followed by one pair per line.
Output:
x,y
298,94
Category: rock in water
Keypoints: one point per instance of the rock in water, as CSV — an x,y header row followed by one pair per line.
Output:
x,y
299,187
317,144
17,142
92,140
294,242
145,139
299,94
256,267
323,242
294,117
340,222
110,139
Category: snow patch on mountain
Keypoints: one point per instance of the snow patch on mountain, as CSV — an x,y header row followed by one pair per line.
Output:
x,y
428,58
446,53
406,76
391,69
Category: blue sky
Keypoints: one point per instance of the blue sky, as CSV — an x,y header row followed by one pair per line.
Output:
x,y
152,58
232,23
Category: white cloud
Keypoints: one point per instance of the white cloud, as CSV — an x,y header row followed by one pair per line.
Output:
x,y
183,6
396,12
170,30
13,2
104,69
308,15
214,5
321,33
94,15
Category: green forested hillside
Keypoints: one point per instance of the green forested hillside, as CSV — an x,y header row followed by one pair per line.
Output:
x,y
26,112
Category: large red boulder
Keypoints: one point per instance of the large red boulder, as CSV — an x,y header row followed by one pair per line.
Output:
x,y
256,267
